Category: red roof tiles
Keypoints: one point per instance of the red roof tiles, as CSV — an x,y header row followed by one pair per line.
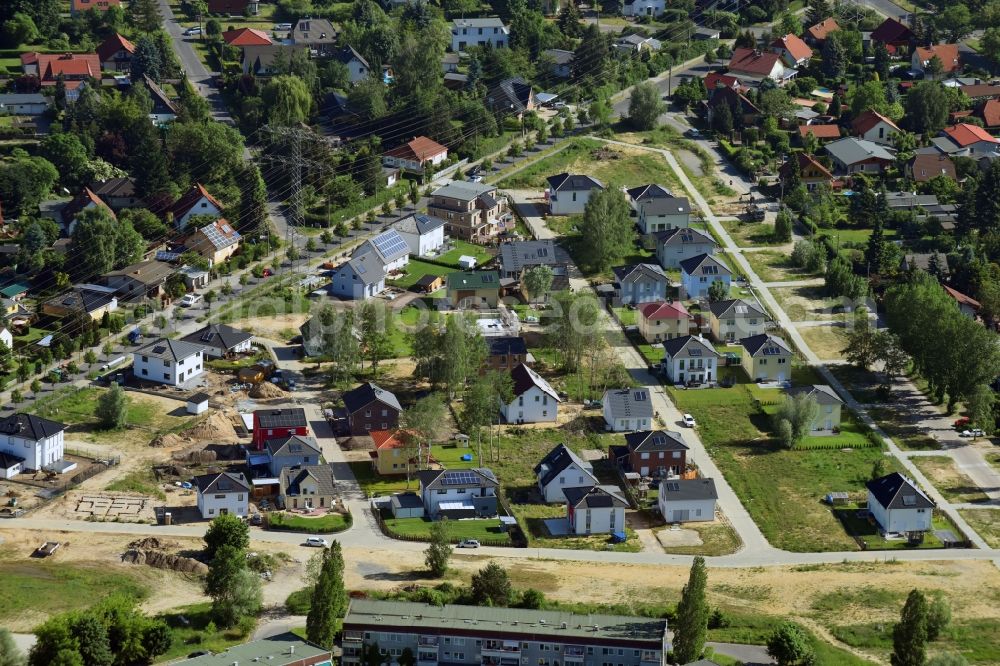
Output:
x,y
798,49
965,135
820,131
869,119
946,53
753,61
662,310
822,29
420,149
246,37
112,45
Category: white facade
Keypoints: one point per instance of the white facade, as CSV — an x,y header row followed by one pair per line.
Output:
x,y
532,406
37,454
357,71
347,284
602,520
574,476
413,164
163,371
625,424
466,33
671,255
649,224
900,520
433,498
6,338
682,369
201,207
422,245
881,132
686,510
697,286
211,505
568,203
644,8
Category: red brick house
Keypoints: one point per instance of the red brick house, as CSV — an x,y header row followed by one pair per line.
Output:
x,y
278,424
656,453
369,408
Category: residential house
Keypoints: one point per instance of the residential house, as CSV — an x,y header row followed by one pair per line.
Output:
x,y
738,103
469,32
115,53
561,469
640,283
751,66
506,352
424,234
873,126
766,357
196,201
358,68
16,291
521,634
660,320
83,299
308,487
893,34
817,34
702,33
812,173
676,245
392,453
416,155
516,257
924,166
657,209
972,141
627,409
291,451
259,59
359,278
687,500
450,63
458,493
827,419
221,340
513,97
690,359
568,194
117,193
23,104
473,289
967,305
278,424
370,407
644,7
636,45
699,273
77,7
793,51
651,453
929,262
560,62
85,200
471,211
281,650
989,112
73,68
318,35
898,505
822,133
29,442
141,280
246,37
534,400
170,362
6,337
734,320
389,247
595,510
215,242
223,493
234,7
947,54
194,277
852,155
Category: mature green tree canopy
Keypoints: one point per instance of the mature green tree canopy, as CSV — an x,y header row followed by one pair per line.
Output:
x,y
226,530
909,636
287,100
790,646
25,182
607,227
329,599
927,107
112,408
491,586
438,552
645,106
692,615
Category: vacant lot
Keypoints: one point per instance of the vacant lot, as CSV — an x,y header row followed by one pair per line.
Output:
x,y
808,304
986,522
775,266
613,165
950,482
750,234
905,433
827,342
487,529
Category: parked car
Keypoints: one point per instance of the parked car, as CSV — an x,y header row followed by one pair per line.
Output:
x,y
689,421
283,26
961,422
693,133
975,432
189,300
192,31
468,543
317,542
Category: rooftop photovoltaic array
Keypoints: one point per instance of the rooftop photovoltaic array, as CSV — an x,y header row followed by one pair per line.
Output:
x,y
208,336
282,418
772,351
219,235
639,396
460,478
390,244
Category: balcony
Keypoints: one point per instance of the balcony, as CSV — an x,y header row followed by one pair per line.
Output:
x,y
353,636
428,641
500,661
573,653
501,648
650,657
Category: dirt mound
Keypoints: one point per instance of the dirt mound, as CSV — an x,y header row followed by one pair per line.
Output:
x,y
167,441
195,455
161,560
216,428
265,391
151,543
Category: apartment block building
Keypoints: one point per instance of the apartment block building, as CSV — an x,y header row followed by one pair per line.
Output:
x,y
471,211
479,636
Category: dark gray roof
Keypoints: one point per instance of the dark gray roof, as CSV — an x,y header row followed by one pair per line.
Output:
x,y
291,477
223,482
688,489
296,445
477,477
573,182
8,460
907,200
511,94
506,345
655,440
525,378
556,461
290,417
824,394
85,298
418,223
594,497
198,398
463,191
114,187
559,56
701,262
895,491
923,261
218,336
367,393
368,267
634,272
169,350
667,206
689,346
755,343
23,98
30,426
314,31
853,150
347,54
489,22
648,192
628,403
516,255
738,306
681,237
407,501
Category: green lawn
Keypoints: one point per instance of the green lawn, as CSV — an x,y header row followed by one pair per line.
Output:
x,y
986,523
328,524
138,481
717,538
626,316
487,529
533,516
462,247
192,629
867,529
774,266
976,640
449,455
415,270
809,304
749,234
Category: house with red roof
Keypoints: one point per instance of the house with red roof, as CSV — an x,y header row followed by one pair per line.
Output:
x,y
968,306
946,53
817,34
663,320
196,201
79,6
74,68
989,112
715,80
115,53
394,452
873,126
972,141
893,34
812,172
85,200
246,37
820,132
793,51
751,66
416,155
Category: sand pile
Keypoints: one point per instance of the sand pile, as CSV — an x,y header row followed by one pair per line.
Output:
x,y
266,391
161,560
167,441
216,428
151,543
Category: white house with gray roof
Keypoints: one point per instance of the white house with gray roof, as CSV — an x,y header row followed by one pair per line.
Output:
x,y
458,493
640,283
358,68
390,248
360,278
676,245
687,500
424,234
468,32
560,469
568,193
29,442
534,400
223,493
595,510
221,340
698,273
690,359
627,409
170,362
655,212
827,419
898,505
852,155
291,451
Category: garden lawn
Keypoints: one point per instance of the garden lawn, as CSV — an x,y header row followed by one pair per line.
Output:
x,y
827,342
328,524
533,516
416,269
986,523
481,529
949,480
138,481
750,234
192,629
867,529
461,248
775,266
449,455
717,537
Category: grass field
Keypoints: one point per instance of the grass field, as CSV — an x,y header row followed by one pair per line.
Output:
x,y
949,480
867,529
718,538
976,640
328,524
487,529
750,234
415,270
630,167
192,629
986,522
534,516
827,342
374,485
775,266
808,304
461,248
138,481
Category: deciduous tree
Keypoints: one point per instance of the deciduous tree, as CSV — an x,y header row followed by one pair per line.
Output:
x,y
692,615
491,586
645,107
790,646
909,636
226,530
607,227
112,408
438,552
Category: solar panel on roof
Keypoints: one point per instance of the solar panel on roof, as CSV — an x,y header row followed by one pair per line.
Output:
x,y
639,396
207,336
771,351
459,478
361,269
909,500
488,278
389,244
159,349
